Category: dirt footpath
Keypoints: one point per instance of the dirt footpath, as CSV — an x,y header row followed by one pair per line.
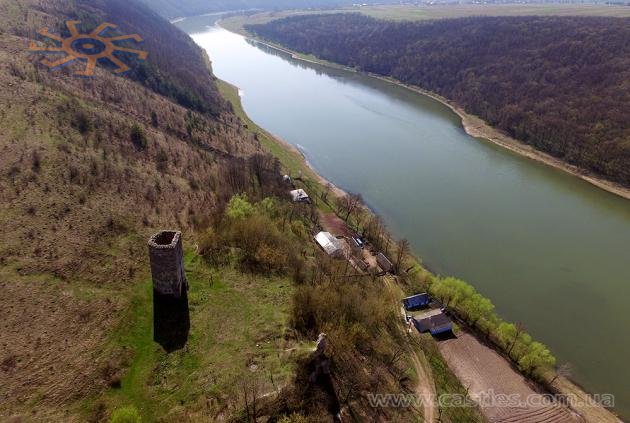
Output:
x,y
484,371
334,224
425,389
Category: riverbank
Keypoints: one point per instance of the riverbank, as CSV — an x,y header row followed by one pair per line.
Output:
x,y
473,125
294,161
290,156
425,350
478,128
615,200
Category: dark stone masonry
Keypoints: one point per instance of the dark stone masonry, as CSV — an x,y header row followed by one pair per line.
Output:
x,y
167,263
171,317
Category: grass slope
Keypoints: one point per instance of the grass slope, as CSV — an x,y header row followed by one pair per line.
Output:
x,y
237,326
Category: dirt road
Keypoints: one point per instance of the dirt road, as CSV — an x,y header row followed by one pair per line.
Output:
x,y
425,390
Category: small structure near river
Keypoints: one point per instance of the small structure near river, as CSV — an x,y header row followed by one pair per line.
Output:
x,y
300,196
331,245
416,302
384,263
435,322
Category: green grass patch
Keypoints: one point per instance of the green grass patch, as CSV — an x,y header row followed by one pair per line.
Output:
x,y
237,324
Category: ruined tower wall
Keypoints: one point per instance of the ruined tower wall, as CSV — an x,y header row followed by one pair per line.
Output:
x,y
167,263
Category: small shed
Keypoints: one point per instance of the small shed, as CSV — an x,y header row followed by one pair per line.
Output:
x,y
331,245
384,263
300,196
416,301
434,323
287,179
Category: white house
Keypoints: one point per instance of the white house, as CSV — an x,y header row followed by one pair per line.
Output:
x,y
299,196
331,245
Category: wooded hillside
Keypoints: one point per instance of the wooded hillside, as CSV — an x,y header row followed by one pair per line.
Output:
x,y
557,83
177,8
89,168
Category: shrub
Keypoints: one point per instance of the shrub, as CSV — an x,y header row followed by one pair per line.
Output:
x,y
262,243
82,122
127,414
462,297
268,207
36,162
161,161
537,357
264,248
138,137
210,246
239,207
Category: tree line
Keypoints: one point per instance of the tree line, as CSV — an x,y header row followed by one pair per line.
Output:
x,y
559,84
177,8
461,299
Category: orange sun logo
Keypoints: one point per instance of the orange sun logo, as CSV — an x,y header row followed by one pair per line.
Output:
x,y
90,48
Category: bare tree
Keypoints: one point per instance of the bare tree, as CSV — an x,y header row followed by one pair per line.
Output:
x,y
403,250
250,389
326,191
396,356
564,370
349,203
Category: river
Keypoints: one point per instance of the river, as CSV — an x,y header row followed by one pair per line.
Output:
x,y
550,250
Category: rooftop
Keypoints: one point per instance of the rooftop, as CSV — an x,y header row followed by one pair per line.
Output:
x,y
299,195
329,243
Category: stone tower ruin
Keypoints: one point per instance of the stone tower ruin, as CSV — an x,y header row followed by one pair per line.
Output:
x,y
167,263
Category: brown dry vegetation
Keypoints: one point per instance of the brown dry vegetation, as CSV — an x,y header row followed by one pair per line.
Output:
x,y
88,169
67,141
51,334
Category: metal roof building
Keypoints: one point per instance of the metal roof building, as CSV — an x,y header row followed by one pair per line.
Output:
x,y
416,301
434,322
331,245
384,263
299,196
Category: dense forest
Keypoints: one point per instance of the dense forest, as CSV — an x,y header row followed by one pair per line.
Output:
x,y
177,8
559,84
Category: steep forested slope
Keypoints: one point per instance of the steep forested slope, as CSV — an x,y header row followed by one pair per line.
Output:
x,y
559,84
89,167
65,136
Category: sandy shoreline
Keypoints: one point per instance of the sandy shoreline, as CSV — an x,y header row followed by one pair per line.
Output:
x,y
292,148
478,128
338,192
